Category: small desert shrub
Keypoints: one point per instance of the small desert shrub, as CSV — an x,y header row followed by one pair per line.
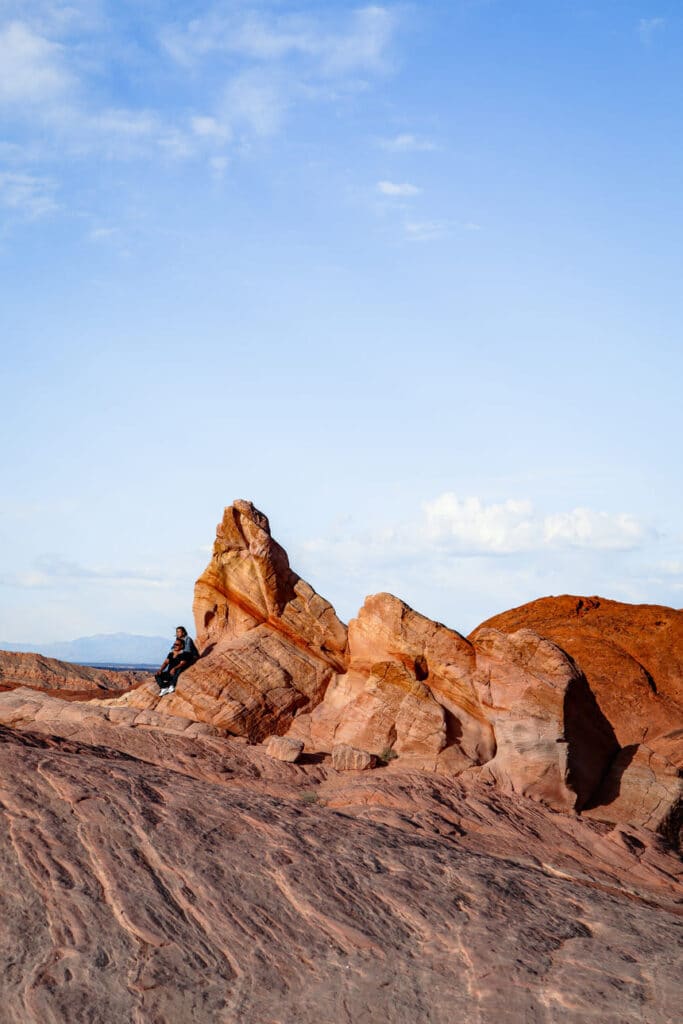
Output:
x,y
310,797
388,755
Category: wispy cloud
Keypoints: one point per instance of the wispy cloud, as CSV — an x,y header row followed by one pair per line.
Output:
x,y
424,230
50,571
245,70
28,195
398,190
32,68
648,27
359,44
407,144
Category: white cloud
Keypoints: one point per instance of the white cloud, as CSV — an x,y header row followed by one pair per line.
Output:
x,y
584,527
512,526
424,230
471,526
647,27
211,128
31,67
32,196
257,100
361,44
53,571
464,558
407,144
401,190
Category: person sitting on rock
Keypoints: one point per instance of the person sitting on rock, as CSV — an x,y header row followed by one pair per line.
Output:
x,y
171,668
190,652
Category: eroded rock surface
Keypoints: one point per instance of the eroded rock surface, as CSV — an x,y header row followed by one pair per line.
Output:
x,y
157,876
632,659
322,826
270,645
17,669
631,655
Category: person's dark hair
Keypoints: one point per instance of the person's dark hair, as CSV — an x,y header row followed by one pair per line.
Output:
x,y
183,629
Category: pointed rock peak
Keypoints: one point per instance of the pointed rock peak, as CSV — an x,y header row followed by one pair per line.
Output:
x,y
249,582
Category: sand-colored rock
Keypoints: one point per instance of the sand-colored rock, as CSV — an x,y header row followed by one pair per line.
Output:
x,y
283,748
350,759
152,876
387,629
409,688
553,743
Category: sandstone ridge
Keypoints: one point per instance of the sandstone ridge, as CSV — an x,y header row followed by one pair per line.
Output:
x,y
536,701
331,825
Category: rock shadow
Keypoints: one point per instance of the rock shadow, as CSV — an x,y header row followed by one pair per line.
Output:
x,y
610,787
591,741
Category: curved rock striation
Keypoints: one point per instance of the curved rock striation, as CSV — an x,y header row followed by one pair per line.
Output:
x,y
155,870
574,702
18,669
269,643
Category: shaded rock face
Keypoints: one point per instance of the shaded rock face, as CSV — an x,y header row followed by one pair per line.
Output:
x,y
553,743
631,655
632,659
270,645
151,875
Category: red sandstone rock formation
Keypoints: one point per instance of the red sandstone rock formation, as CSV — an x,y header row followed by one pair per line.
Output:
x,y
157,867
528,701
517,704
270,645
632,658
42,673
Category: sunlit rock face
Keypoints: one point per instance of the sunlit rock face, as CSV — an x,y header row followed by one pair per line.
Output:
x,y
17,669
270,644
574,702
329,825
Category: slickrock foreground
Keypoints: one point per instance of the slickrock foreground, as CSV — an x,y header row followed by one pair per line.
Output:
x,y
150,876
393,822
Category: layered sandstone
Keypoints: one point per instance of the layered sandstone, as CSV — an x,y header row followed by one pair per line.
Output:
x,y
321,825
269,643
631,655
632,659
157,870
421,691
17,669
543,700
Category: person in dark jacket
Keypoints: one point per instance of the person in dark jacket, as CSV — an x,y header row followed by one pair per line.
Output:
x,y
167,675
183,654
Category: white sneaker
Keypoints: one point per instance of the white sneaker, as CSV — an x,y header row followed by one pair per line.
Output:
x,y
166,689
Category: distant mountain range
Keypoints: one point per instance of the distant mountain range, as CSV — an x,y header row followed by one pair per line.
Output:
x,y
103,649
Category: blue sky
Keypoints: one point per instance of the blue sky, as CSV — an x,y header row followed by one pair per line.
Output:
x,y
405,275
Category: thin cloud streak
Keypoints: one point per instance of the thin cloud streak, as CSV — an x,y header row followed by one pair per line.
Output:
x,y
398,190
